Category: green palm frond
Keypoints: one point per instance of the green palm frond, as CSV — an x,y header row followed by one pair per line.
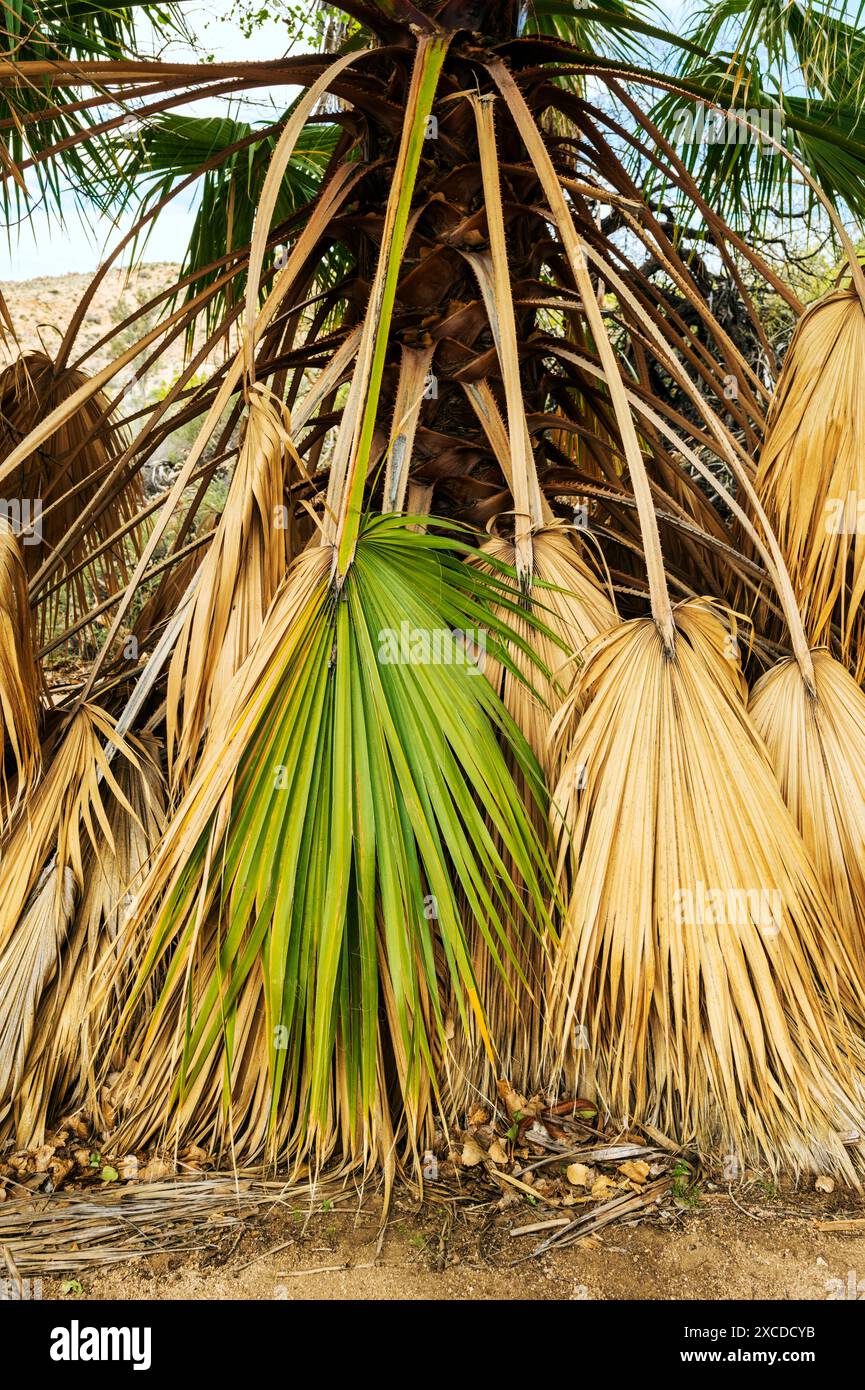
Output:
x,y
35,116
233,157
353,803
821,41
614,28
80,27
796,70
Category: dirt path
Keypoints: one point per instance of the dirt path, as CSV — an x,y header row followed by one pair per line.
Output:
x,y
749,1246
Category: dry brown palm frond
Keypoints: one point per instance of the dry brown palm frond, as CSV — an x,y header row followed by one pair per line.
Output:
x,y
568,600
208,1110
60,476
20,681
700,983
44,861
817,746
812,715
81,1006
137,822
27,967
811,475
576,608
732,1029
244,566
162,603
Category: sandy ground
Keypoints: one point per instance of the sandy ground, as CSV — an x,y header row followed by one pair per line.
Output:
x,y
744,1246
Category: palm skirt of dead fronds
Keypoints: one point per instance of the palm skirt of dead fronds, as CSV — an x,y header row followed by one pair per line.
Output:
x,y
700,984
353,919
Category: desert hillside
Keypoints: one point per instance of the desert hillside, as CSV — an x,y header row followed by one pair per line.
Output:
x,y
41,309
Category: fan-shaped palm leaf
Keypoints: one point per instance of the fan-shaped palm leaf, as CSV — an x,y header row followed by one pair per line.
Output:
x,y
350,784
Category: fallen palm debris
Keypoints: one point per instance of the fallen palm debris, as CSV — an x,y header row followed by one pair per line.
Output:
x,y
65,1233
68,1206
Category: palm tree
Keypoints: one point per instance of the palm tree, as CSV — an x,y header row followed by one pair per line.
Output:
x,y
473,296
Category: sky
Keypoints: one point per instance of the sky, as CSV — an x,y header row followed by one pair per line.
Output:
x,y
40,246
